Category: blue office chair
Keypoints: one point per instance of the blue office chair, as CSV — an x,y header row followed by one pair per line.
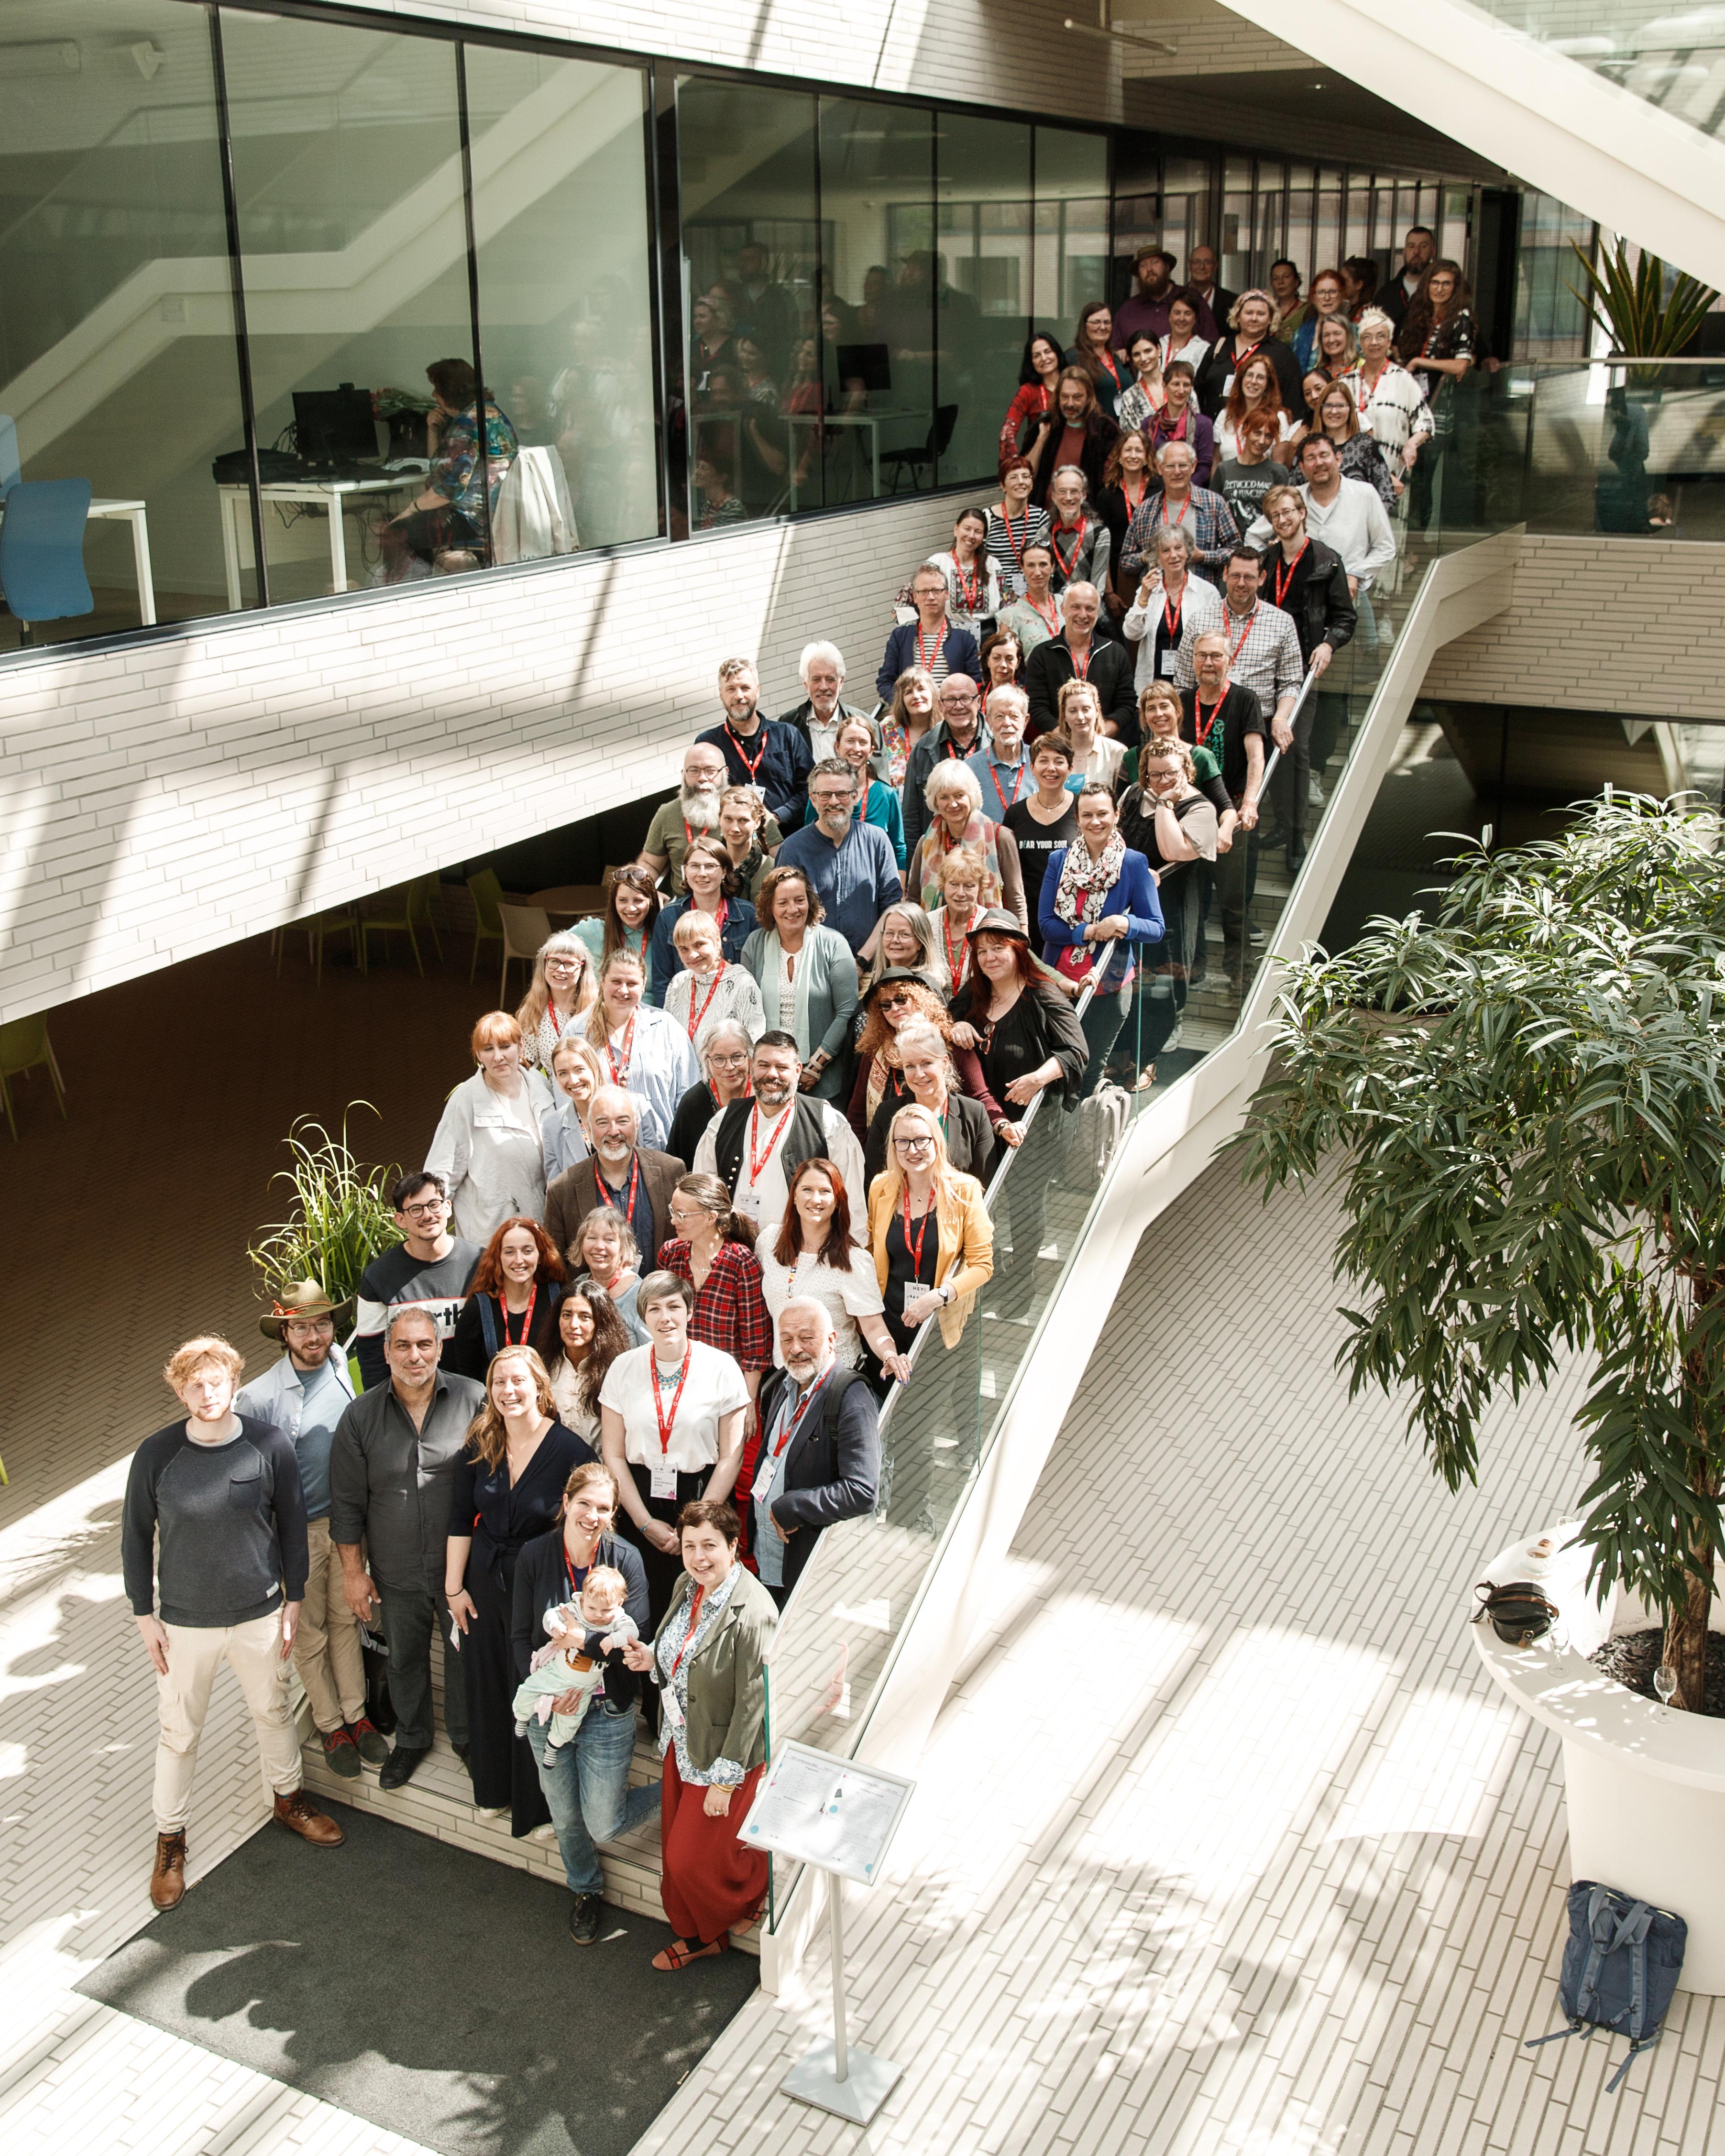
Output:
x,y
42,551
11,471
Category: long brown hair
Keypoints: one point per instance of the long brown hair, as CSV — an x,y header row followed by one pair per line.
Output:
x,y
537,1000
1422,316
1268,406
712,1195
488,1273
485,1433
611,1337
634,877
835,1251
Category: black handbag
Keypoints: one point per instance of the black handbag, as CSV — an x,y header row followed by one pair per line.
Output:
x,y
1519,1613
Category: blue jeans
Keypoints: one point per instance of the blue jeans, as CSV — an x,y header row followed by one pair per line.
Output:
x,y
586,1785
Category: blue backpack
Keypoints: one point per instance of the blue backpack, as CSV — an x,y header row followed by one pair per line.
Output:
x,y
1620,1967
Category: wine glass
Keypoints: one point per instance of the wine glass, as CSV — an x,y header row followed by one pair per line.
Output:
x,y
1665,1683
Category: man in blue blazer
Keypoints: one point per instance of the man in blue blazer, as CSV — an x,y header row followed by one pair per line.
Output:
x,y
1104,905
922,642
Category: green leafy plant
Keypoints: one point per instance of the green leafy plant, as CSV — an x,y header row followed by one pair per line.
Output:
x,y
340,1218
1523,1099
1630,305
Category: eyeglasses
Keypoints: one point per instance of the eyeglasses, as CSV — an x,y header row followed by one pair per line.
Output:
x,y
894,1003
563,965
425,1212
913,1145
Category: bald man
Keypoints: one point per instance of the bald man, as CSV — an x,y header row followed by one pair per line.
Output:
x,y
818,1460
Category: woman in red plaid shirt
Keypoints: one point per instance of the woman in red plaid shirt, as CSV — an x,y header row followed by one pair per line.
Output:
x,y
714,1250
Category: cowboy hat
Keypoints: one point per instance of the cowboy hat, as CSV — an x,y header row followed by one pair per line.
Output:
x,y
303,1299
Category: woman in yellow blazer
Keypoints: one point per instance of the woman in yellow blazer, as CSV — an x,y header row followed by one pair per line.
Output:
x,y
924,1275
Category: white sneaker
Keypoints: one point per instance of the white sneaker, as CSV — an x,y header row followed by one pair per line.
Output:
x,y
1314,791
491,1811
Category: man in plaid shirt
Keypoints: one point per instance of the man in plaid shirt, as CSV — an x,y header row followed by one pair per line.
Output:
x,y
1264,656
1204,517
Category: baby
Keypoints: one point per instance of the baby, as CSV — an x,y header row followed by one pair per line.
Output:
x,y
563,1666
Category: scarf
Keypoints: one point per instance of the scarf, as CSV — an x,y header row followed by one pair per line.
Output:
x,y
938,842
1094,880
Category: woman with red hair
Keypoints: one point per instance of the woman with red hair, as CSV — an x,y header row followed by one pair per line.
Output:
x,y
512,1302
487,1147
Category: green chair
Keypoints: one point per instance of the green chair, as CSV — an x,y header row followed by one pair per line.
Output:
x,y
487,920
25,1046
400,910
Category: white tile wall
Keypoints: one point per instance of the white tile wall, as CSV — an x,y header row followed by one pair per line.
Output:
x,y
1602,625
163,799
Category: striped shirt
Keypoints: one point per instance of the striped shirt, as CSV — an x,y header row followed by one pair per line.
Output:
x,y
1009,537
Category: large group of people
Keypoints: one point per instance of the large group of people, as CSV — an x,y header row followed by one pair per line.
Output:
x,y
675,1239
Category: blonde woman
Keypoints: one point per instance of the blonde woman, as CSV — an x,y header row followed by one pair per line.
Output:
x,y
709,988
562,990
487,1147
954,795
966,887
576,1073
508,1491
933,1243
640,1048
910,717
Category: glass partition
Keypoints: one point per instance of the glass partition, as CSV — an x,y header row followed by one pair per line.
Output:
x,y
842,1626
1071,224
1673,57
1637,451
985,238
117,357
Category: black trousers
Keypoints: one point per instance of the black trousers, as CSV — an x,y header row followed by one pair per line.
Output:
x,y
410,1617
502,1765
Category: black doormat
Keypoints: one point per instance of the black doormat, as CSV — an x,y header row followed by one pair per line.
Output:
x,y
428,1989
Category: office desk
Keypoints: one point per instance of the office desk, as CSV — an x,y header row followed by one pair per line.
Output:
x,y
132,513
869,420
331,495
570,898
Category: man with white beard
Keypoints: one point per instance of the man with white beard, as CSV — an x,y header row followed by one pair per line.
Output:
x,y
823,710
695,808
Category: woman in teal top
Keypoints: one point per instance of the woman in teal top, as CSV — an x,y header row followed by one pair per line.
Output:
x,y
627,922
877,803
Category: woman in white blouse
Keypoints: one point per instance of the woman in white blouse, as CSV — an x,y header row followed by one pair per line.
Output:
x,y
643,1050
711,988
575,1072
487,1147
671,1419
591,1336
561,991
813,1255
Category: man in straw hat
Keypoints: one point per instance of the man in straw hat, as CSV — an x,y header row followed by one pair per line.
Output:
x,y
304,1395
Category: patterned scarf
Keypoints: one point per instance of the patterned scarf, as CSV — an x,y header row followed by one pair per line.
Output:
x,y
1084,884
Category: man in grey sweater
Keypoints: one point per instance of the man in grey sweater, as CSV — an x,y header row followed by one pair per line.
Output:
x,y
214,1522
391,1478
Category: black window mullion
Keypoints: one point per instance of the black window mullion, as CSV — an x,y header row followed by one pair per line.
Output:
x,y
242,341
473,293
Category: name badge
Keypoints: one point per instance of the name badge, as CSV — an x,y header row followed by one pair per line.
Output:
x,y
670,1706
664,1483
1228,387
1169,657
747,1201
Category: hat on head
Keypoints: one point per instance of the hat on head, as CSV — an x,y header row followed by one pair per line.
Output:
x,y
302,1298
996,920
892,973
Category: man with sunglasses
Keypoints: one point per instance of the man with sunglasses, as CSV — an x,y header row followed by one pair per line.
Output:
x,y
429,1268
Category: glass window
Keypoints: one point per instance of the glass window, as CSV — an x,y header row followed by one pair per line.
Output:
x,y
983,168
353,231
750,258
885,282
1236,270
1186,199
117,360
560,216
1071,224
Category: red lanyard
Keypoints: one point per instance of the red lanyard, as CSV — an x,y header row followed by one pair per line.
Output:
x,y
970,588
526,1323
629,1049
954,967
689,1636
1054,540
1244,633
742,753
1080,667
569,1566
1202,728
668,1423
696,1016
1172,610
1017,545
790,1428
1161,515
915,1248
746,1094
756,1164
634,1184
1126,495
1018,785
1282,575
1241,357
1050,613
925,660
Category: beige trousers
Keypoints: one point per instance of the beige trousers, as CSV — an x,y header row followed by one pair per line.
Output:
x,y
326,1650
195,1652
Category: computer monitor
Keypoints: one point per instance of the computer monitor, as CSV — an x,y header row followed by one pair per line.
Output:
x,y
871,363
335,426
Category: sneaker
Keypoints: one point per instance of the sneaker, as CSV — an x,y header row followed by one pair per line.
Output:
x,y
340,1755
167,1878
368,1739
584,1919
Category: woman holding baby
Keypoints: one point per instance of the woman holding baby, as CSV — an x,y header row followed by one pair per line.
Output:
x,y
577,1575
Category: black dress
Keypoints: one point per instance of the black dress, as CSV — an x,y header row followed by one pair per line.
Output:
x,y
465,1353
502,1521
910,1269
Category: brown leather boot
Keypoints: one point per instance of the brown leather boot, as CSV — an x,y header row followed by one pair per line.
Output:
x,y
167,1881
302,1815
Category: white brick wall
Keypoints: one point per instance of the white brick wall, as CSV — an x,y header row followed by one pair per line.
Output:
x,y
166,799
1629,625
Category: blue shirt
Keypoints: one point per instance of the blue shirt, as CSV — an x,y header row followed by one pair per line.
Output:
x,y
769,1550
855,881
1002,783
324,1398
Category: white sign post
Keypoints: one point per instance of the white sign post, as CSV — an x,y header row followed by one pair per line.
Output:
x,y
839,1817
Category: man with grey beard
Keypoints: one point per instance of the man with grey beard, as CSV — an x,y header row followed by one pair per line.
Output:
x,y
693,810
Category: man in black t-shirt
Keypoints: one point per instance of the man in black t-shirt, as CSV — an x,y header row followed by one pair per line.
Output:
x,y
1244,480
429,1268
1220,705
1051,766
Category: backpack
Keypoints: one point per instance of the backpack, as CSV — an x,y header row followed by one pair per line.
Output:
x,y
1620,1967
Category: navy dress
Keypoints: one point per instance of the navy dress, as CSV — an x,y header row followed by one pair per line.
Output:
x,y
502,1522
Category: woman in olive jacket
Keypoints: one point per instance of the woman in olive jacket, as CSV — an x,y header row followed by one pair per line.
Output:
x,y
708,1660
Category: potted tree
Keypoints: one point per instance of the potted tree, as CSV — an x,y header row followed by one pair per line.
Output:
x,y
1525,1098
339,1216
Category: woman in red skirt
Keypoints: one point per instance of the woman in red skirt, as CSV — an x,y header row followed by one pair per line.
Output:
x,y
708,1658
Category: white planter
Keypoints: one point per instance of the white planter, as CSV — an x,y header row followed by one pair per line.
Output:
x,y
1645,1792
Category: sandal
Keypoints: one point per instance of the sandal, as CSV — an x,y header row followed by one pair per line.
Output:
x,y
679,1954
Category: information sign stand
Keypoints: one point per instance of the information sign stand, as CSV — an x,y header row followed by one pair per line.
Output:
x,y
841,1818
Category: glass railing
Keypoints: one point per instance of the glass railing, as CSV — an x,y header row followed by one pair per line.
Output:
x,y
1634,449
841,1627
1670,57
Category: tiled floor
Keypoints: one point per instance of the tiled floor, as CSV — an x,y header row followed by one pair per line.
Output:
x,y
1222,1844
